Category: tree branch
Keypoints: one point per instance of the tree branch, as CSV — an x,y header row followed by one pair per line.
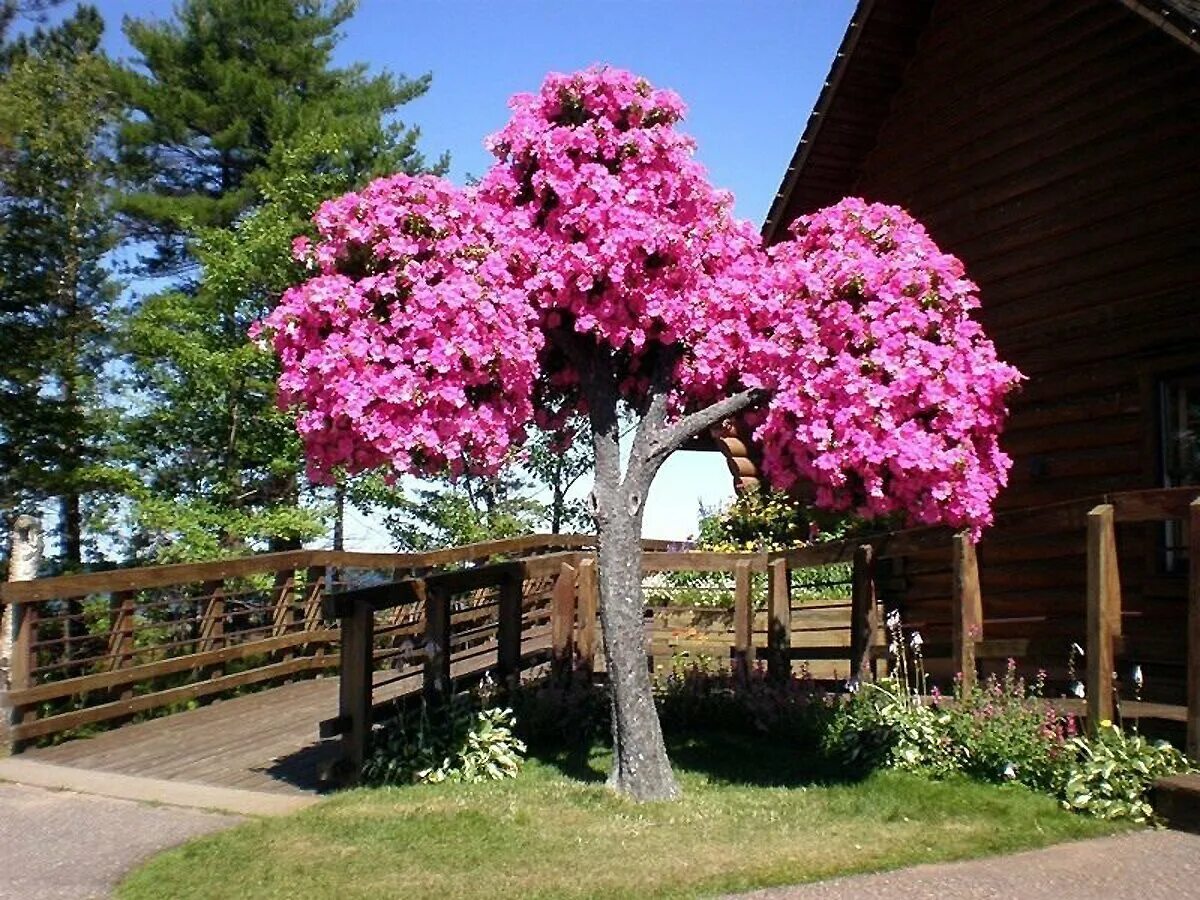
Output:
x,y
671,439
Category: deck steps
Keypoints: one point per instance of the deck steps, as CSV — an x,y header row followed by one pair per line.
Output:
x,y
1177,800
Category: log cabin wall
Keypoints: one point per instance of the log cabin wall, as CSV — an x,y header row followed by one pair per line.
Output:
x,y
1055,148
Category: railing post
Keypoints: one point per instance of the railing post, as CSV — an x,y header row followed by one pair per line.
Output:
x,y
779,620
589,602
508,628
743,621
864,619
354,689
437,644
1193,647
966,608
1103,612
18,627
562,623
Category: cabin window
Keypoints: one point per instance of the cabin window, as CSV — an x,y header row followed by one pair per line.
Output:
x,y
1180,430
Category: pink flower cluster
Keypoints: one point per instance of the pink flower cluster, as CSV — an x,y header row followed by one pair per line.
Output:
x,y
627,242
886,394
438,324
413,347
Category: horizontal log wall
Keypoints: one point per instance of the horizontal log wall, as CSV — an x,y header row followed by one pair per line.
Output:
x,y
1053,147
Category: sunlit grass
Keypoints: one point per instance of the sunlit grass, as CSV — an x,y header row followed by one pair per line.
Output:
x,y
748,819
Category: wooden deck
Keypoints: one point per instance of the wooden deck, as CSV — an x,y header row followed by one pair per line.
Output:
x,y
266,741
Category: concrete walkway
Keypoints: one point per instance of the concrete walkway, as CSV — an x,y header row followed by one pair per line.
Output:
x,y
1147,865
152,790
60,844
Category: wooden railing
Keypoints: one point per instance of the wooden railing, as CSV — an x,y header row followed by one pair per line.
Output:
x,y
106,646
103,647
1105,629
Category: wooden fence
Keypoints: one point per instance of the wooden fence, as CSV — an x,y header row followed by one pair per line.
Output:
x,y
104,647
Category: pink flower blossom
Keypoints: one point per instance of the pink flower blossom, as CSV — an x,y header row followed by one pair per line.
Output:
x,y
439,322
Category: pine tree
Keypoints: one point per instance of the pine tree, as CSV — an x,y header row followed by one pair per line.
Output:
x,y
225,85
244,128
56,115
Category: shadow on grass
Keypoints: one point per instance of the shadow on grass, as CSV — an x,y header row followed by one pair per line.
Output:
x,y
723,757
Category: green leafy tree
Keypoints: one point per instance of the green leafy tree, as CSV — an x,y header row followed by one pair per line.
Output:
x,y
557,467
57,112
442,512
242,128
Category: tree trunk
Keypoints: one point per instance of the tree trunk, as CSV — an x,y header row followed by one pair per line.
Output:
x,y
640,767
72,532
339,517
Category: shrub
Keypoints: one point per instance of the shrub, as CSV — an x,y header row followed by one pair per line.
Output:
x,y
461,742
699,694
1002,730
1115,772
553,713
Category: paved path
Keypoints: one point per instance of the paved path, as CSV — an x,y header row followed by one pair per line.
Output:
x,y
59,844
1147,865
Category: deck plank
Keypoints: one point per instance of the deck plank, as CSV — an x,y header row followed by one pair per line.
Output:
x,y
266,740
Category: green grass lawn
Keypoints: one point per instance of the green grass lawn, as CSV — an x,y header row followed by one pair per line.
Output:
x,y
750,817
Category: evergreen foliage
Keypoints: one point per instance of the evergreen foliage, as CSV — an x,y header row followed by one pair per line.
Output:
x,y
241,127
57,112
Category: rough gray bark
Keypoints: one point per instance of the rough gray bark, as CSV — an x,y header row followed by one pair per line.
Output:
x,y
641,769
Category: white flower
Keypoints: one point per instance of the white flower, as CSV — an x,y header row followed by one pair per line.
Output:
x,y
852,686
1078,650
916,640
1137,676
893,619
893,648
1078,690
1010,772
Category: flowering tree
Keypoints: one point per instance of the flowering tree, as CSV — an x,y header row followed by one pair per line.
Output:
x,y
594,268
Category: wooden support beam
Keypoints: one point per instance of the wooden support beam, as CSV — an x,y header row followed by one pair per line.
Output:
x,y
437,687
354,690
1193,648
966,608
508,629
743,620
779,620
588,590
864,616
1103,611
562,622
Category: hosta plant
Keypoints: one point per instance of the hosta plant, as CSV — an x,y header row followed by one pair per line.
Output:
x,y
1115,771
459,743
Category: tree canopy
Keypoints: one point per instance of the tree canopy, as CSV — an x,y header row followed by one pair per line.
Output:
x,y
594,268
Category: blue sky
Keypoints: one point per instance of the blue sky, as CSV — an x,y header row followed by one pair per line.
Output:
x,y
749,70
